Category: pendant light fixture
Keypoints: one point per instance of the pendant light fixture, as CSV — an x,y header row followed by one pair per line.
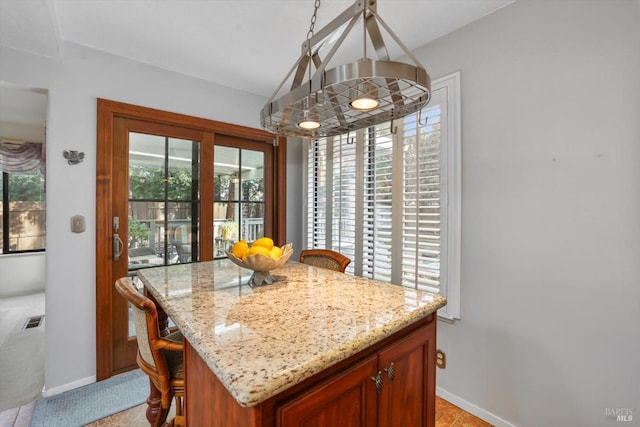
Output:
x,y
350,96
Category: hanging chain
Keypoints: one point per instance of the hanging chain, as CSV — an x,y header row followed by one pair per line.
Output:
x,y
316,6
313,22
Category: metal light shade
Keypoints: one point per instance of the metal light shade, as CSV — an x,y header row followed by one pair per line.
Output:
x,y
399,88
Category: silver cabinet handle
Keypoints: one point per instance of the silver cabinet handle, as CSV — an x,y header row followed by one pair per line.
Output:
x,y
378,380
391,372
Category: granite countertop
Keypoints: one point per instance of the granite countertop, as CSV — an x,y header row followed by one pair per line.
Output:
x,y
260,341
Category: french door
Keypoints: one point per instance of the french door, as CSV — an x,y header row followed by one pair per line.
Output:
x,y
173,189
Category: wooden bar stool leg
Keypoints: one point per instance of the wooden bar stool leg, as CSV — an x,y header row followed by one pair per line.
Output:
x,y
154,404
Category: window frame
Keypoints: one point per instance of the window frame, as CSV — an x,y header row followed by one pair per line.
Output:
x,y
450,198
5,245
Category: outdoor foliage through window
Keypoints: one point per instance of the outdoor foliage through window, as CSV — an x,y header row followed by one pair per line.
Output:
x,y
23,212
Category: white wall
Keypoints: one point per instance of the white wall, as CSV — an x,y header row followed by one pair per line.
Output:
x,y
22,274
550,329
74,83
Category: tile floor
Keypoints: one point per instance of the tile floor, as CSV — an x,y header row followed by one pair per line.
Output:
x,y
449,415
17,417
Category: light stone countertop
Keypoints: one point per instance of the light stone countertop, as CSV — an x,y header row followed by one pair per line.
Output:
x,y
260,341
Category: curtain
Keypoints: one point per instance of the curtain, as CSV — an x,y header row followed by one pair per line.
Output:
x,y
24,157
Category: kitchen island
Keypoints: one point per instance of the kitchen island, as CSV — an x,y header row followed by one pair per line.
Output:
x,y
316,347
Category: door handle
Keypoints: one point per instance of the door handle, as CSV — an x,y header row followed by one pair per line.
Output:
x,y
117,246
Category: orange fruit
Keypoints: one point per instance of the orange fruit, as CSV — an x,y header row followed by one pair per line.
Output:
x,y
254,250
240,249
265,242
275,252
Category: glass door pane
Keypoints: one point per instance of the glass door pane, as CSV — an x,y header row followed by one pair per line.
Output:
x,y
163,202
239,196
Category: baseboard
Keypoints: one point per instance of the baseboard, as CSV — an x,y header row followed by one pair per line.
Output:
x,y
473,409
69,386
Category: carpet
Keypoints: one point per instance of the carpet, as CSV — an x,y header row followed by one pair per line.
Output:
x,y
92,402
21,368
21,351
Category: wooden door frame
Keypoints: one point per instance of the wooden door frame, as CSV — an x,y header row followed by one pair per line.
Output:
x,y
107,112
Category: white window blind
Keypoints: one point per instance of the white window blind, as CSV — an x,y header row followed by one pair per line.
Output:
x,y
390,201
421,201
377,228
317,194
343,236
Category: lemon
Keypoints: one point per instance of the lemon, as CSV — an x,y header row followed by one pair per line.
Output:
x,y
240,249
265,242
254,250
276,252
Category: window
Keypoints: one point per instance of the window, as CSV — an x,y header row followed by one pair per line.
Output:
x,y
239,196
163,200
390,198
22,206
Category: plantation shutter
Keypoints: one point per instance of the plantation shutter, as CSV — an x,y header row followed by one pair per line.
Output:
x,y
377,214
421,201
317,194
343,195
390,201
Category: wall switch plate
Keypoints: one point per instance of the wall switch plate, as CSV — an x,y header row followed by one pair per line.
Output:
x,y
78,224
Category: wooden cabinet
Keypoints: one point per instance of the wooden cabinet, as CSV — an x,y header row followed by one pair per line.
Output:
x,y
393,387
407,396
344,395
346,399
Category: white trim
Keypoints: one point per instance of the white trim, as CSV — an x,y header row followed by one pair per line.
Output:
x,y
68,386
397,198
452,195
444,317
473,409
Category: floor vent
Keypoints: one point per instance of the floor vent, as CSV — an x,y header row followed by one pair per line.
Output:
x,y
33,322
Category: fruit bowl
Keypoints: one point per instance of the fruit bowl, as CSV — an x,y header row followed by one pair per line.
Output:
x,y
262,265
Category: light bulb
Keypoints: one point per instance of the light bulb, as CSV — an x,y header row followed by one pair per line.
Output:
x,y
309,124
364,103
309,119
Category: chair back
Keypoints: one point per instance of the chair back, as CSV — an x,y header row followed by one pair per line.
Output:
x,y
182,234
182,242
158,357
325,258
145,317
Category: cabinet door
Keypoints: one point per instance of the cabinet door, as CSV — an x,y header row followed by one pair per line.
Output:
x,y
408,395
348,399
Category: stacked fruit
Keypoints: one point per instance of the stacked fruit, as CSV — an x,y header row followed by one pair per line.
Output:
x,y
263,246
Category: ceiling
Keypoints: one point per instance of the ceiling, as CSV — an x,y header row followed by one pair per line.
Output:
x,y
244,44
